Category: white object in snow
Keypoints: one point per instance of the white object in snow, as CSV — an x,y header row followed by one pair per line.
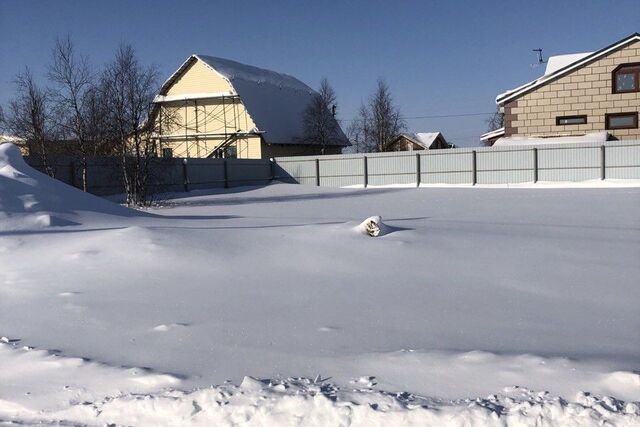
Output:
x,y
372,226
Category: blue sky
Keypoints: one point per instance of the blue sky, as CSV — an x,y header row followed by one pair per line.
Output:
x,y
439,58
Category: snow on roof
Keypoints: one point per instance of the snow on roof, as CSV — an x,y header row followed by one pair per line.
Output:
x,y
493,134
563,64
275,101
522,140
424,139
554,63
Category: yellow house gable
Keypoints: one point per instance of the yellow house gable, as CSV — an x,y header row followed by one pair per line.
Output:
x,y
199,78
199,111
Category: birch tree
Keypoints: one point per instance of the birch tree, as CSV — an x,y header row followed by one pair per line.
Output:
x,y
320,125
128,89
379,121
29,117
72,77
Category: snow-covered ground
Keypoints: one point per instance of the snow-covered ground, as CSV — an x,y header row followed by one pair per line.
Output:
x,y
266,306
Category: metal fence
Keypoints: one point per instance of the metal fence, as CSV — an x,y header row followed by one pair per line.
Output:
x,y
104,175
482,165
499,165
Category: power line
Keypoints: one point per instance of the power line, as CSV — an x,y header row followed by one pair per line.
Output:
x,y
439,116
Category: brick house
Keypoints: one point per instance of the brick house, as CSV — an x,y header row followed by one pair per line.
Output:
x,y
578,94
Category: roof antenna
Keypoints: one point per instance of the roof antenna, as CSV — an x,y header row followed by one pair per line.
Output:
x,y
541,59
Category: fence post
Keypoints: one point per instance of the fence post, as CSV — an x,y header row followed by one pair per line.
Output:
x,y
603,163
226,173
185,175
317,172
272,168
365,171
474,167
72,173
535,164
418,171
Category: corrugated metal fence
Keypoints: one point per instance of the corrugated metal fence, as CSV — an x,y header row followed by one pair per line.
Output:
x,y
499,165
104,175
482,165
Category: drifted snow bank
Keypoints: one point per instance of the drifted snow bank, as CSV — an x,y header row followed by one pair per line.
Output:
x,y
30,199
303,402
38,386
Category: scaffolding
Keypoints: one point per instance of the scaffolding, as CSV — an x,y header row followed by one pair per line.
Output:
x,y
215,124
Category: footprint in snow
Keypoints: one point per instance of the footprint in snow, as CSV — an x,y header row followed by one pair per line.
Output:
x,y
67,294
84,254
329,329
169,326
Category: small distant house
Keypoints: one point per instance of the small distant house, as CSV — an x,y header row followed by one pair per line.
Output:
x,y
418,141
595,93
214,107
20,143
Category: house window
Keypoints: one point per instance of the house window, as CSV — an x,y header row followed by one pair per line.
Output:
x,y
626,78
571,120
621,120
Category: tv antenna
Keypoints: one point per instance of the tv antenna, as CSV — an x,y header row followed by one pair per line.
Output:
x,y
541,59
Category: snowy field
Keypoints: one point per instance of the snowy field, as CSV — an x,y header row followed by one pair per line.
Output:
x,y
263,306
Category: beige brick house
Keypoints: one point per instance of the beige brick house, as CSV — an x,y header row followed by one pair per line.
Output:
x,y
578,94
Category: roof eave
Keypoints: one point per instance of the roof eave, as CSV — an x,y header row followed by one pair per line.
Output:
x,y
517,92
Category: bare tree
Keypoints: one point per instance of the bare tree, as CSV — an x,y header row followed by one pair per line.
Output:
x,y
29,117
96,127
320,125
496,121
128,90
72,76
379,121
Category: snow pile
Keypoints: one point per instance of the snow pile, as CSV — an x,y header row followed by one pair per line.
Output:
x,y
30,199
42,387
34,380
316,402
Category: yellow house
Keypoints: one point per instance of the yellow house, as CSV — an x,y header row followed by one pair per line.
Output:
x,y
214,107
593,93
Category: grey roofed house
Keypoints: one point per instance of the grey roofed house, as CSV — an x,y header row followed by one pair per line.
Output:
x,y
418,141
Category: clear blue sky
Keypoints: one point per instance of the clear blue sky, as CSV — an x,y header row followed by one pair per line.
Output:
x,y
444,57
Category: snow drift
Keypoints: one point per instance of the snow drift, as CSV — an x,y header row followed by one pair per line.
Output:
x,y
484,307
30,199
